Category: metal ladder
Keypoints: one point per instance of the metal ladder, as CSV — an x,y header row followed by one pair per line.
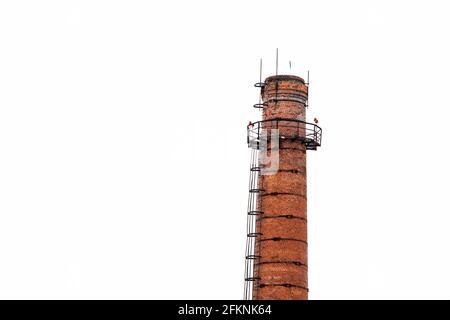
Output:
x,y
252,234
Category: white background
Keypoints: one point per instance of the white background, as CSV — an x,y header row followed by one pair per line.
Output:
x,y
123,157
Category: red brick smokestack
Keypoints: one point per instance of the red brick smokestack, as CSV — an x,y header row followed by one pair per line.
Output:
x,y
280,269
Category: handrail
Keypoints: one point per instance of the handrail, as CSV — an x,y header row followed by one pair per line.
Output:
x,y
309,133
284,119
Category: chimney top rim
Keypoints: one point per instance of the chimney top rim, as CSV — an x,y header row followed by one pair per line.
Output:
x,y
284,77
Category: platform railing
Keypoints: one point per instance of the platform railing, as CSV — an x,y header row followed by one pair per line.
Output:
x,y
291,129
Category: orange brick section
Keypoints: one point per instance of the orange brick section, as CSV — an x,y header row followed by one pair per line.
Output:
x,y
282,245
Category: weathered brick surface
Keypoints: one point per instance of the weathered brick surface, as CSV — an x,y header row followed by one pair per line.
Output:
x,y
283,250
282,245
280,88
285,227
284,182
291,159
288,130
281,293
278,273
284,205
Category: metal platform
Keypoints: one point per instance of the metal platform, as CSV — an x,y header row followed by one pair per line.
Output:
x,y
289,129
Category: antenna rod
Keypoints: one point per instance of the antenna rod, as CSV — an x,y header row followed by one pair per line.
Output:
x,y
276,73
260,70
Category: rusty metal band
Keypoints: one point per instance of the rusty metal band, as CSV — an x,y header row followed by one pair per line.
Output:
x,y
283,239
297,263
285,216
287,285
283,193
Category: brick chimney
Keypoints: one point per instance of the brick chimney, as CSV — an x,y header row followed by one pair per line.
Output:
x,y
278,252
